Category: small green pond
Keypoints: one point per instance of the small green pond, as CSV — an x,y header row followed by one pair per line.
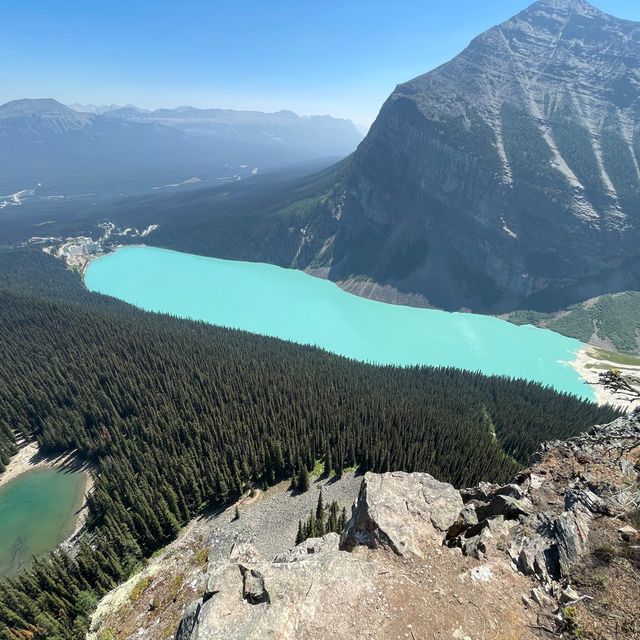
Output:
x,y
38,510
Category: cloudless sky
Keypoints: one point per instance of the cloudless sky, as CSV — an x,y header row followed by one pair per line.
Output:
x,y
341,57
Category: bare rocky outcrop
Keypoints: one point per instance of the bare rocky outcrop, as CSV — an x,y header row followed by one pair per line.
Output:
x,y
543,521
255,598
402,511
545,516
515,548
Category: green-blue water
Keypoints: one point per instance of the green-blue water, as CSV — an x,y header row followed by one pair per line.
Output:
x,y
38,510
292,305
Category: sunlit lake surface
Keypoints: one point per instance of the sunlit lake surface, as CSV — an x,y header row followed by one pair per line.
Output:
x,y
293,305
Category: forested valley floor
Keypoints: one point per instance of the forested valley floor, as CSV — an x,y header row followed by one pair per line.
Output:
x,y
178,416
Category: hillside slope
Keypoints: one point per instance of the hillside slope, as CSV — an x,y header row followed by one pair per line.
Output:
x,y
611,321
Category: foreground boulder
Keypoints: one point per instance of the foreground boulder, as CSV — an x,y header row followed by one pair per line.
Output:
x,y
254,590
189,620
402,512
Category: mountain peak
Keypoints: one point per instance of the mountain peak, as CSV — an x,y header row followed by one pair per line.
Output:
x,y
43,115
544,108
40,106
574,6
567,7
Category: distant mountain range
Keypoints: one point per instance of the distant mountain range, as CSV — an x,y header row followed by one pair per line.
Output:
x,y
507,178
95,108
106,149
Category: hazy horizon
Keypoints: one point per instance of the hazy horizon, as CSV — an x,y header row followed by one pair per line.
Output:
x,y
340,59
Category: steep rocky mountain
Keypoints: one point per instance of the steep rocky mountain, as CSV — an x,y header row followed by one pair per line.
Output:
x,y
43,142
506,178
555,553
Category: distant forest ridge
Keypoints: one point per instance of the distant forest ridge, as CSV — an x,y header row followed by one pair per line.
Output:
x,y
611,321
57,151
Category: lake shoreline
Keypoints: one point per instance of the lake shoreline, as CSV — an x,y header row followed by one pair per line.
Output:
x,y
26,459
29,459
586,364
293,305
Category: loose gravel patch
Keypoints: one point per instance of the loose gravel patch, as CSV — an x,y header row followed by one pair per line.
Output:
x,y
270,520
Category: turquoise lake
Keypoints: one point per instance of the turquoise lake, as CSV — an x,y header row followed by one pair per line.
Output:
x,y
38,510
292,305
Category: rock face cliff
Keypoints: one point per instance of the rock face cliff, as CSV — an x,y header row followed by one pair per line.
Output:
x,y
555,552
506,178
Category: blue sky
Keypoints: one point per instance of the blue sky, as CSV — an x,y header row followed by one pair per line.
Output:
x,y
341,57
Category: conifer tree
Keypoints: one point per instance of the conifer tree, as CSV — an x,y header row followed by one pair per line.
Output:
x,y
342,521
320,507
328,464
303,483
332,520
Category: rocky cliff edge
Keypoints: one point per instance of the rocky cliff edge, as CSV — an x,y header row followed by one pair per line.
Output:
x,y
556,553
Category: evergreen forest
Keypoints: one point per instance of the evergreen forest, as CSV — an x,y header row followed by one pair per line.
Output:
x,y
177,417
